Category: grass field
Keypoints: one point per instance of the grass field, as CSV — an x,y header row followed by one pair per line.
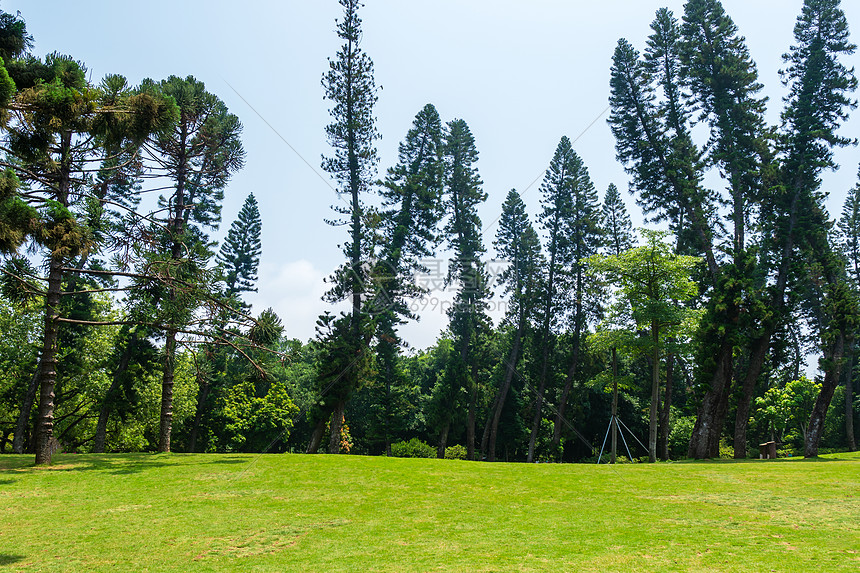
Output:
x,y
350,513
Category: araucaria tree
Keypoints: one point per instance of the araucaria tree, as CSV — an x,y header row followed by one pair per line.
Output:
x,y
239,256
58,133
412,208
518,244
463,194
199,155
351,89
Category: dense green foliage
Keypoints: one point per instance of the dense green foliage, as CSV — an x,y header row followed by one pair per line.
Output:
x,y
124,327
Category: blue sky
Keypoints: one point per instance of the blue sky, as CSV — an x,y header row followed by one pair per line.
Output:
x,y
522,74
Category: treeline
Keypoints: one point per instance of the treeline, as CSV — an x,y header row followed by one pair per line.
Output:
x,y
691,340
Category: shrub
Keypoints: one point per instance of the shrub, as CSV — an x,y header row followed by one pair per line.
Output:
x,y
456,452
679,436
414,448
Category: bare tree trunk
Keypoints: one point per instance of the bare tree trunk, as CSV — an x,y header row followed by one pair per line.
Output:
x,y
849,400
443,441
815,428
705,440
760,348
663,438
337,418
655,394
614,421
536,419
316,436
104,410
48,377
26,409
166,418
565,394
470,422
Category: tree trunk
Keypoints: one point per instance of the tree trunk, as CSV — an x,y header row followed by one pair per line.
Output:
x,y
26,409
337,417
470,423
760,348
510,369
663,438
443,441
104,410
614,420
705,440
316,436
48,377
565,393
815,428
655,394
166,418
202,397
849,401
537,418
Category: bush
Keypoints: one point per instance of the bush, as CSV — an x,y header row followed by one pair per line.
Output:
x,y
414,448
727,452
456,452
679,437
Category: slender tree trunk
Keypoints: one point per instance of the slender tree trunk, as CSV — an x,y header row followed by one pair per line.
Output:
x,y
337,418
166,418
537,417
48,377
565,393
510,368
663,439
485,435
614,420
104,410
815,428
849,400
26,409
470,426
655,394
316,436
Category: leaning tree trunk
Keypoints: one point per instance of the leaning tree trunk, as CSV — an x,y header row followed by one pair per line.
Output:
x,y
316,436
104,411
815,428
48,377
26,409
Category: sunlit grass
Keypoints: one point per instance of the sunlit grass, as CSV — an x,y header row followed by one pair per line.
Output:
x,y
350,513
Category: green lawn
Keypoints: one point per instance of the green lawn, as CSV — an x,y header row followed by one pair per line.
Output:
x,y
350,513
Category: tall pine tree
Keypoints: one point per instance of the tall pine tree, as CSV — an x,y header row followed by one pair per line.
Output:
x,y
351,89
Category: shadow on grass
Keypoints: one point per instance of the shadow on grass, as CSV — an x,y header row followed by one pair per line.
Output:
x,y
114,464
9,558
